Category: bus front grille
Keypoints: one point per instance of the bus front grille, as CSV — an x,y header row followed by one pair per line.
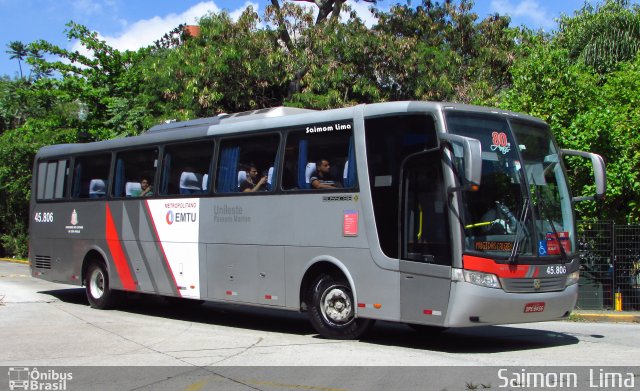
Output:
x,y
533,285
43,262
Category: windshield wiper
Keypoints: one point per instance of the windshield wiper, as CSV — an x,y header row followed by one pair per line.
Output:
x,y
554,231
521,230
543,207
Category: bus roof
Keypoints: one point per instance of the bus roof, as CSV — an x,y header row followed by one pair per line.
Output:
x,y
230,118
263,119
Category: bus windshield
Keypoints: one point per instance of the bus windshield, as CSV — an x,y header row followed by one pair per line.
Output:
x,y
523,207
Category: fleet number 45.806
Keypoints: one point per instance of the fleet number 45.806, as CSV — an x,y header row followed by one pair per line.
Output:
x,y
43,217
556,270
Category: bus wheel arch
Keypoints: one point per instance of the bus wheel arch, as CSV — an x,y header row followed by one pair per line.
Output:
x,y
95,276
92,256
317,268
328,296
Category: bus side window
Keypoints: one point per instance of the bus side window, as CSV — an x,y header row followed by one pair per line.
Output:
x,y
91,176
185,168
132,167
331,144
244,162
52,179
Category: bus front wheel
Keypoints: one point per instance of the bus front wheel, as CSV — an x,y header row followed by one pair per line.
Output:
x,y
332,309
99,293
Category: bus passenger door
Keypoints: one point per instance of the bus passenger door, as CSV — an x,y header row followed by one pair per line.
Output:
x,y
425,247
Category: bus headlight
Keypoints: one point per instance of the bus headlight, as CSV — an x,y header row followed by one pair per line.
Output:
x,y
572,278
477,278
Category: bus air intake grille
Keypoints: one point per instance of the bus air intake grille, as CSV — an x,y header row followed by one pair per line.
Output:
x,y
43,262
532,285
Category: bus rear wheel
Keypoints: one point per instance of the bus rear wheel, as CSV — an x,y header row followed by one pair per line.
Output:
x,y
97,287
332,309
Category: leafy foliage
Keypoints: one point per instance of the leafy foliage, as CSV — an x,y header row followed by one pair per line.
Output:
x,y
610,127
602,36
230,67
18,51
445,54
102,84
589,105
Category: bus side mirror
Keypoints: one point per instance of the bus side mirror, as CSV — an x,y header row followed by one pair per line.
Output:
x,y
471,156
599,172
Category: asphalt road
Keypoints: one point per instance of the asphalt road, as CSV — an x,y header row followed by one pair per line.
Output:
x,y
45,324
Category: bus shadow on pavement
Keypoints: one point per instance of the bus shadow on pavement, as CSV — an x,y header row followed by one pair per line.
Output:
x,y
70,295
220,314
483,339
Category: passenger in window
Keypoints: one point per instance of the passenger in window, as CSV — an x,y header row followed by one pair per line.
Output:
x,y
253,183
146,187
322,178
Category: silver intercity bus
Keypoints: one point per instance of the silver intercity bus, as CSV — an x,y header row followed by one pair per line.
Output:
x,y
432,214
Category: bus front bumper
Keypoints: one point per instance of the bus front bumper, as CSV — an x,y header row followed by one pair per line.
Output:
x,y
473,305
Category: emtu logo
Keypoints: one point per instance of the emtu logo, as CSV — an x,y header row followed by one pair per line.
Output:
x,y
181,217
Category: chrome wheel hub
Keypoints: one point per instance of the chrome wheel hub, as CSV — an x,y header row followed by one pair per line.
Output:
x,y
96,284
336,306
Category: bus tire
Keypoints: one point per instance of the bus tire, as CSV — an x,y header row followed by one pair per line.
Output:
x,y
332,309
99,292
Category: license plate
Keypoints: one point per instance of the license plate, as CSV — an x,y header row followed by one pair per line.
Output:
x,y
534,307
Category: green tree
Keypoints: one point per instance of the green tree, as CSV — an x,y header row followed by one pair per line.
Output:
x,y
102,86
452,56
230,67
18,51
14,107
91,98
18,148
588,108
282,17
343,67
326,7
601,36
610,128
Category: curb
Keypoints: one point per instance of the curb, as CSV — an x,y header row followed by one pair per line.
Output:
x,y
11,260
614,317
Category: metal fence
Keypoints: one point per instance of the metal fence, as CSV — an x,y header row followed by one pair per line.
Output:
x,y
610,266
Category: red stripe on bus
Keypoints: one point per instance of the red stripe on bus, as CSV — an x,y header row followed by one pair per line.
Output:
x,y
487,265
164,254
119,259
